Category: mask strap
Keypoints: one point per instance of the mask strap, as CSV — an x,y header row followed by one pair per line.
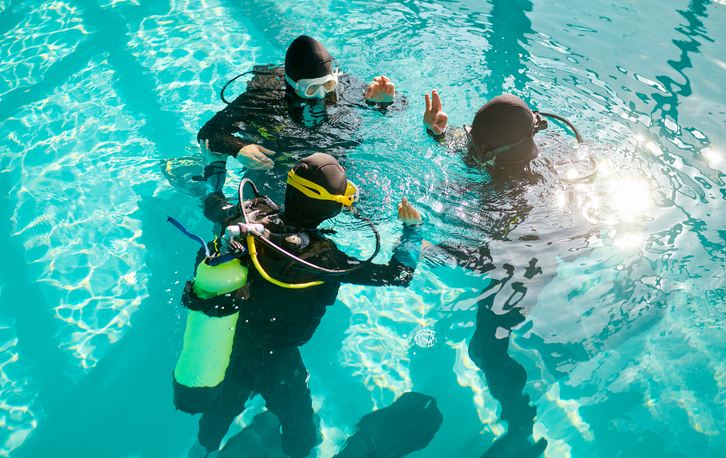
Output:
x,y
315,191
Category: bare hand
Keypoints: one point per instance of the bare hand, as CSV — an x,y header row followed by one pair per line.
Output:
x,y
208,155
434,117
381,90
254,157
407,214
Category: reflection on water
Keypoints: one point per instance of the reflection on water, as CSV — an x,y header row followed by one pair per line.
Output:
x,y
507,50
47,35
599,327
79,231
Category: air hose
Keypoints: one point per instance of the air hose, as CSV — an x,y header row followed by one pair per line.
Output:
x,y
580,141
252,248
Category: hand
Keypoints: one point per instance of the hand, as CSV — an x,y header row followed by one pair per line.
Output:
x,y
434,117
381,90
407,214
254,157
210,156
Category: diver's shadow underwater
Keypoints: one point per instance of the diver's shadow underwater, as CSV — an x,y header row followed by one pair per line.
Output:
x,y
505,377
407,425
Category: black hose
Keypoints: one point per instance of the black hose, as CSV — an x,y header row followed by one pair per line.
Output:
x,y
580,141
221,92
572,127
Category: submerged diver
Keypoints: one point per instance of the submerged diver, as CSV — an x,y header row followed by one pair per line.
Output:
x,y
302,107
270,299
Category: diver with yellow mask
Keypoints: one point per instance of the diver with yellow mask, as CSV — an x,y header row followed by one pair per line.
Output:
x,y
260,291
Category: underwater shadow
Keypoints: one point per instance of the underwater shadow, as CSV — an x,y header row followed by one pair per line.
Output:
x,y
35,323
407,425
667,104
123,406
507,54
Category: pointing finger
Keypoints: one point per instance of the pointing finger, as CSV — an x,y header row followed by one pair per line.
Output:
x,y
428,102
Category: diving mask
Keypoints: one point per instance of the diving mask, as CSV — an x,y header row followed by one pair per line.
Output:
x,y
314,88
315,191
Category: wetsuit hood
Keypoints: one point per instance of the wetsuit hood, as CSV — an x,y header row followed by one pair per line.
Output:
x,y
306,212
505,120
307,58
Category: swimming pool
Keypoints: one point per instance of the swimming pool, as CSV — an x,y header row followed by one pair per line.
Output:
x,y
619,281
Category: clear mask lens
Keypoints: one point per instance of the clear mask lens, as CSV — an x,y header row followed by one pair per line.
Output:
x,y
318,87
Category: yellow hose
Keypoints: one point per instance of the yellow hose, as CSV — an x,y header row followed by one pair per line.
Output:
x,y
253,254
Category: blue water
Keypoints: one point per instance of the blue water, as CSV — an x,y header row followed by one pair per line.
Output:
x,y
617,335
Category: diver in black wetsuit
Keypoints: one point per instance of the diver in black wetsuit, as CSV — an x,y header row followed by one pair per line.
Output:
x,y
274,320
501,139
305,106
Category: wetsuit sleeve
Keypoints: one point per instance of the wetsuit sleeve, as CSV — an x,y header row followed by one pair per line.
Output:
x,y
218,209
397,272
216,206
221,128
260,91
453,139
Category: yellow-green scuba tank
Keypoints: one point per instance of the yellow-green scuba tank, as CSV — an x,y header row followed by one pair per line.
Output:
x,y
213,301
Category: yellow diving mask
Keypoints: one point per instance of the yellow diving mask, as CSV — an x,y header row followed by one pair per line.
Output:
x,y
315,191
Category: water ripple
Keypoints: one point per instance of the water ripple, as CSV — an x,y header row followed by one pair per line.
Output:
x,y
77,158
47,35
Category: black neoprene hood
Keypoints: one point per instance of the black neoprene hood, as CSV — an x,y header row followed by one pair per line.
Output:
x,y
324,170
504,120
307,58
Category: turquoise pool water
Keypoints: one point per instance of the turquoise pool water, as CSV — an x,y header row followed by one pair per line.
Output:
x,y
619,288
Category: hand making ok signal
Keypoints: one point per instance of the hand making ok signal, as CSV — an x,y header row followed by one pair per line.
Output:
x,y
434,117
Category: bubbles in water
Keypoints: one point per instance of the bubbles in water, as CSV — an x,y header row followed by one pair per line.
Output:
x,y
425,337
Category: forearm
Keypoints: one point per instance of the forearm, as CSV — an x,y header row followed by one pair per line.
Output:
x,y
216,207
220,130
400,268
221,141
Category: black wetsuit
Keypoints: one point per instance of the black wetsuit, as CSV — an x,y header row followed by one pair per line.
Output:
x,y
270,114
275,321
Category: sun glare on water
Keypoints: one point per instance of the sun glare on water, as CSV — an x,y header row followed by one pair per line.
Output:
x,y
629,198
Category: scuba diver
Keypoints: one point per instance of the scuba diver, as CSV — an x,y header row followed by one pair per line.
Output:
x,y
501,138
260,292
302,107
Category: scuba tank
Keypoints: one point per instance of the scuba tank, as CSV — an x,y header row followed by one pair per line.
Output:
x,y
213,299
